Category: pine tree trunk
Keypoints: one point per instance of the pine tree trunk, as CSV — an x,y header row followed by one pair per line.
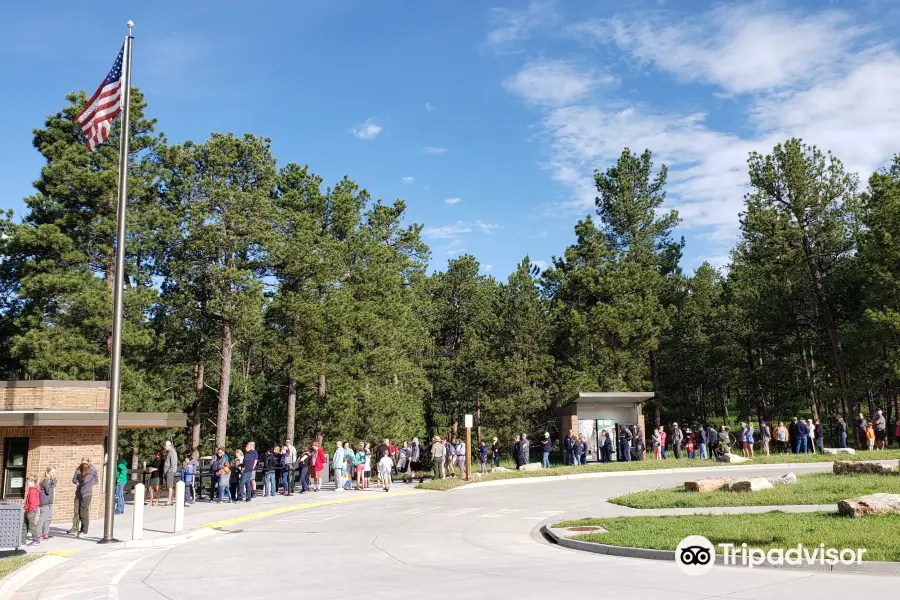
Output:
x,y
810,380
196,419
291,409
831,333
224,386
871,398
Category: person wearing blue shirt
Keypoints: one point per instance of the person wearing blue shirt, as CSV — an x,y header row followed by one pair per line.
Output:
x,y
802,436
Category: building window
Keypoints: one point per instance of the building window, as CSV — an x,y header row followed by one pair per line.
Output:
x,y
15,461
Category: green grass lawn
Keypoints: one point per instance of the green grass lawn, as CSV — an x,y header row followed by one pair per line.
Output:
x,y
816,488
12,563
446,484
878,535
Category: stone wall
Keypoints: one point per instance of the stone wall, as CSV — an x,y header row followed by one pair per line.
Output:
x,y
63,448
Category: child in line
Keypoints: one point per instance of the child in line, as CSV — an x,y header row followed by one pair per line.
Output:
x,y
870,436
690,448
32,512
482,456
368,472
384,470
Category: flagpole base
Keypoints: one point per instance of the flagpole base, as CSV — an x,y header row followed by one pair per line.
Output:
x,y
109,541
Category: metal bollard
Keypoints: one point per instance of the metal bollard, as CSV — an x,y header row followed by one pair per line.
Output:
x,y
179,506
137,523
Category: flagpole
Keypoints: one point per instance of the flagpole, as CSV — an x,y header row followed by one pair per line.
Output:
x,y
115,369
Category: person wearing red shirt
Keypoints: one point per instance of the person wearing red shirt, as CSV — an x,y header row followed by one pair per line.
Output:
x,y
32,512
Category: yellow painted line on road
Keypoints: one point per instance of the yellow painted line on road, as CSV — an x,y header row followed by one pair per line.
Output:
x,y
63,553
288,509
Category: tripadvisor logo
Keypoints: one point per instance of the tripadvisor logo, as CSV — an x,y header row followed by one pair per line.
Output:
x,y
696,555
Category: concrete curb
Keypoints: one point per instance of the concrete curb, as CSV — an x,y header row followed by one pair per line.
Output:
x,y
10,584
687,470
560,537
172,540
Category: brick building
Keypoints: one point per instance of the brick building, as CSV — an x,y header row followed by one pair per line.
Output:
x,y
56,423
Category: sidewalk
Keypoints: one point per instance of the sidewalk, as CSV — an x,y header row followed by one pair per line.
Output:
x,y
159,521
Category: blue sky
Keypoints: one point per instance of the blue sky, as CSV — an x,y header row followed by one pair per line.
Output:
x,y
487,118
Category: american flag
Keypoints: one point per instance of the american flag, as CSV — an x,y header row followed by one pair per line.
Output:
x,y
103,107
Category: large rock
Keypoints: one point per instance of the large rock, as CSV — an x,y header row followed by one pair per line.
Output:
x,y
733,459
845,467
710,484
754,484
787,479
838,451
531,467
873,504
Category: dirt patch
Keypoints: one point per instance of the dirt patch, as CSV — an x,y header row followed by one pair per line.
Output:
x,y
600,529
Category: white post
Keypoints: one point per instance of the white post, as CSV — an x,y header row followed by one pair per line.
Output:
x,y
179,506
137,524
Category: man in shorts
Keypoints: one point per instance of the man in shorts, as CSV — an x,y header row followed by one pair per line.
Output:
x,y
169,467
880,431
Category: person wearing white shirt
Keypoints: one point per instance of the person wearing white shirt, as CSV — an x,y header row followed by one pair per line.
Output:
x,y
385,465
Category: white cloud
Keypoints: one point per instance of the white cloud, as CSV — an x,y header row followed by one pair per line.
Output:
x,y
447,232
433,150
740,48
428,107
367,130
452,200
797,76
553,82
516,25
487,268
487,228
540,264
408,180
454,251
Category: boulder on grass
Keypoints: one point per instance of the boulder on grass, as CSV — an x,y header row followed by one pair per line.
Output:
x,y
501,470
709,484
787,479
732,458
753,484
531,467
873,504
847,467
838,451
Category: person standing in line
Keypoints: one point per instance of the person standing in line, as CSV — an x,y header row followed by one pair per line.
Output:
x,y
626,443
279,469
156,473
524,450
841,430
121,480
495,452
222,470
870,436
577,448
742,438
237,491
384,447
169,467
568,449
657,445
367,473
450,457
461,453
517,451
601,446
482,456
861,431
820,436
359,464
32,511
437,457
781,437
86,481
189,471
703,439
662,441
546,445
290,452
76,480
303,466
269,463
677,438
47,498
384,470
415,462
794,436
338,464
348,465
403,460
811,442
880,431
248,470
639,444
765,437
802,436
317,465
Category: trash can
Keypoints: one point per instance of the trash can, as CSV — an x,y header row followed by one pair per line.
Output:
x,y
11,516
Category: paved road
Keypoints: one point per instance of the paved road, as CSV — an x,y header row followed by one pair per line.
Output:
x,y
470,543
